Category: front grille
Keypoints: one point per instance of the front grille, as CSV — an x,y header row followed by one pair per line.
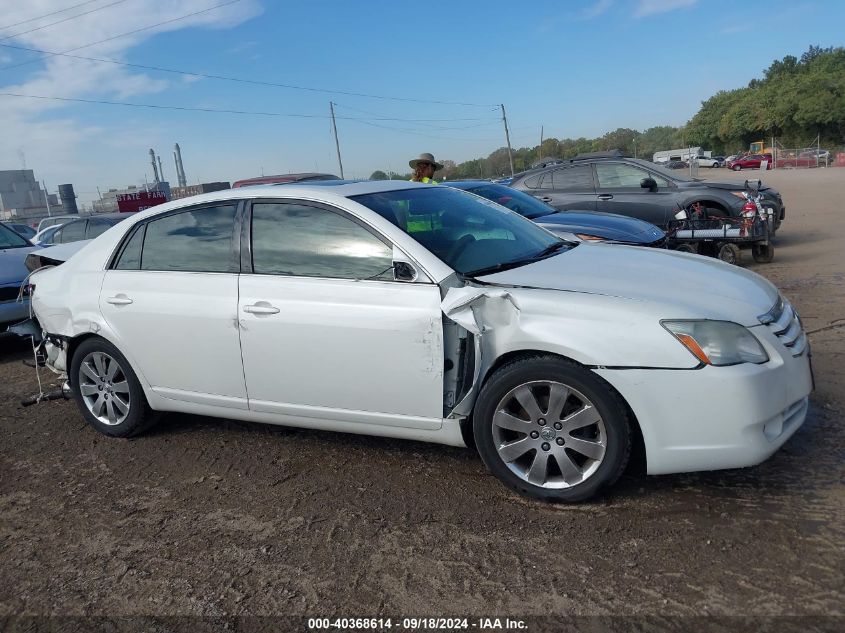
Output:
x,y
783,319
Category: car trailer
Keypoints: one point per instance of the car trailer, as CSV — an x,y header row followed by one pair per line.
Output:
x,y
697,230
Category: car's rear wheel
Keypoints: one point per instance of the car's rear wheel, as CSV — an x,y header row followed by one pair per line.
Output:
x,y
551,429
730,253
107,391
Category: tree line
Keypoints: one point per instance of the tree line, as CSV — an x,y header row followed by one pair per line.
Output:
x,y
794,101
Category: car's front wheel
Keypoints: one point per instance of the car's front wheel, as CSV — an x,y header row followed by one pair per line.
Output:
x,y
551,429
737,167
107,390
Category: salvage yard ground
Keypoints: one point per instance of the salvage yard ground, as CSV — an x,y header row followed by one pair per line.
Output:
x,y
210,517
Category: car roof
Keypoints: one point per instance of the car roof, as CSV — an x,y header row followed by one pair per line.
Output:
x,y
466,184
325,191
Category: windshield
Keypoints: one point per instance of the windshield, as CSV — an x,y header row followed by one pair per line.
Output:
x,y
514,200
10,239
469,234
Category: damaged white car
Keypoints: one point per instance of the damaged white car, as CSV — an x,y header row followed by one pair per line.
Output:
x,y
427,313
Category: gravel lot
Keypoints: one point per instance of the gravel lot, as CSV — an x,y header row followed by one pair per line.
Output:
x,y
212,517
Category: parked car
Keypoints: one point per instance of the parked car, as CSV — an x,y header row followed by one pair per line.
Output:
x,y
281,179
584,225
13,251
704,161
84,228
820,156
423,312
720,160
676,164
44,236
24,230
636,188
752,161
55,220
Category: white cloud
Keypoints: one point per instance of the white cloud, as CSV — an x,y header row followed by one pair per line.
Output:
x,y
55,145
653,7
599,8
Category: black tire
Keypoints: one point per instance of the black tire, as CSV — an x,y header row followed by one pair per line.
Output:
x,y
730,253
687,248
612,428
128,392
763,253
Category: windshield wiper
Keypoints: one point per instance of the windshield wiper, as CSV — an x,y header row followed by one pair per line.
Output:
x,y
552,248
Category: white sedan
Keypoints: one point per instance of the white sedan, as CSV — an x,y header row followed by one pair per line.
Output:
x,y
427,313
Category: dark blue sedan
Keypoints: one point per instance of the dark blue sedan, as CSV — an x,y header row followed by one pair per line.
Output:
x,y
13,252
584,225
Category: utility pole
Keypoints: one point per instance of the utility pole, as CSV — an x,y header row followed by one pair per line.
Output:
x,y
46,198
336,142
540,149
507,138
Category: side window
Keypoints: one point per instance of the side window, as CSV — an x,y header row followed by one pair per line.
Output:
x,y
534,181
70,232
198,240
575,178
97,227
612,175
130,257
301,240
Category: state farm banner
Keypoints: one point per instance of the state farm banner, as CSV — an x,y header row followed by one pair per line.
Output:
x,y
127,202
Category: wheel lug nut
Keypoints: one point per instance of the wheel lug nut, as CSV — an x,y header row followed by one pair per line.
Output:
x,y
534,435
559,441
545,446
558,426
542,421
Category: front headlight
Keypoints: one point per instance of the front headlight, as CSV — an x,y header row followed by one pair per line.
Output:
x,y
718,343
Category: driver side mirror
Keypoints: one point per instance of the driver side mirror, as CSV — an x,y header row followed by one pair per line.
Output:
x,y
403,271
649,183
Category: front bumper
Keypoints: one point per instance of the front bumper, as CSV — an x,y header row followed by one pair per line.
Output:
x,y
718,417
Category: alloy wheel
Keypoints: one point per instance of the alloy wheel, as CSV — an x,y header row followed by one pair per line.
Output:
x,y
549,434
104,389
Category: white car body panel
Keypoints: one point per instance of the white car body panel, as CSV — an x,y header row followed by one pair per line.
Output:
x,y
168,309
596,304
307,356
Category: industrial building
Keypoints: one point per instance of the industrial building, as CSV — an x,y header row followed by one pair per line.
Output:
x,y
21,196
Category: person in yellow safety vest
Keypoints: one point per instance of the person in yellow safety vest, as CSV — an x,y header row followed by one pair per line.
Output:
x,y
424,168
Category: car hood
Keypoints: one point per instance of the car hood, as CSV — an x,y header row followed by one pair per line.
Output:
x,y
12,268
679,285
607,225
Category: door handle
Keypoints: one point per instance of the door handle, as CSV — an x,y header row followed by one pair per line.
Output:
x,y
119,300
262,307
605,196
545,198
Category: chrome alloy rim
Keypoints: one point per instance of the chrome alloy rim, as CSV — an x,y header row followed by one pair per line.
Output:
x,y
104,389
549,434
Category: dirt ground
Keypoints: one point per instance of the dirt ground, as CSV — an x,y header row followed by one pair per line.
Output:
x,y
213,517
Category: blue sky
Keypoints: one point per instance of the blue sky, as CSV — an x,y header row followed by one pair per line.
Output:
x,y
576,68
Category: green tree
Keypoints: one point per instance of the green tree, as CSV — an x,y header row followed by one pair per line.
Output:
x,y
378,174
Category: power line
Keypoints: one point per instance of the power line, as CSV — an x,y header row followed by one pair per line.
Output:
x,y
73,17
46,15
133,32
255,82
196,109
